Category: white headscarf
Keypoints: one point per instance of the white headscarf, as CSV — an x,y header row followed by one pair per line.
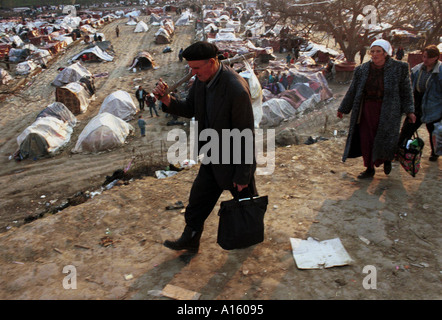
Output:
x,y
384,44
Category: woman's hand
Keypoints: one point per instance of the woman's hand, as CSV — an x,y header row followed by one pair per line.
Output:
x,y
411,117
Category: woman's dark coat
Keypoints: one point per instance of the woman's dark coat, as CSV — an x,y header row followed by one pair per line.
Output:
x,y
398,100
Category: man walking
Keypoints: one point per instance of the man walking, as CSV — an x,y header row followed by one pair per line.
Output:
x,y
219,99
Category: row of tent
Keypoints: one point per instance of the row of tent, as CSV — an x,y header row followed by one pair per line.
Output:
x,y
53,127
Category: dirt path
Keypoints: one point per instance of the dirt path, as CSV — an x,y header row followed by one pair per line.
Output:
x,y
391,223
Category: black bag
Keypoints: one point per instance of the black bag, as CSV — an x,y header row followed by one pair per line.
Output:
x,y
241,222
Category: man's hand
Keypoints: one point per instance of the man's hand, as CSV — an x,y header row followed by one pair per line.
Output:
x,y
160,92
240,187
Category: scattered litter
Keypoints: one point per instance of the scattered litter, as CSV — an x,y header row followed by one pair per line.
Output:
x,y
187,164
312,254
365,240
156,293
178,293
176,205
162,174
106,241
128,276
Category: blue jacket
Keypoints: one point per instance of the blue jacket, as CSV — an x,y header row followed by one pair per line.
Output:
x,y
432,99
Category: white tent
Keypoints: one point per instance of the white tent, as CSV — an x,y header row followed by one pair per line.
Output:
x,y
105,131
70,74
44,137
100,54
4,76
141,27
184,19
120,104
25,67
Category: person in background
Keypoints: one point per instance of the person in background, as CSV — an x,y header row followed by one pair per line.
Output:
x,y
142,125
426,79
380,92
150,99
140,94
180,55
400,53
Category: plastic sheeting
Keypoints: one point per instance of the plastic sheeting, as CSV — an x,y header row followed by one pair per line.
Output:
x,y
55,132
74,96
4,76
255,92
105,131
275,111
70,74
120,104
141,27
60,111
103,55
25,67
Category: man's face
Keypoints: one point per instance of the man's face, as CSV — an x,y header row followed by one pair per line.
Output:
x,y
205,70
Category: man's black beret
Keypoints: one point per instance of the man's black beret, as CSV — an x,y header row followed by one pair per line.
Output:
x,y
200,50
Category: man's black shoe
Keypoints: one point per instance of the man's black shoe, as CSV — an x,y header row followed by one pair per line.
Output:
x,y
387,167
189,240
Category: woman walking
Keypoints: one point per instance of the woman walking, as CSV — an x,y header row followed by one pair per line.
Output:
x,y
379,94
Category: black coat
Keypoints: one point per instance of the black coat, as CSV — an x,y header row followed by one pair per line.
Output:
x,y
232,109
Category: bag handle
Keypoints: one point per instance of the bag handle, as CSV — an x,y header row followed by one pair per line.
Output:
x,y
235,194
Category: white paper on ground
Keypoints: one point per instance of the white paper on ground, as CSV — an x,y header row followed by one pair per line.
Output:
x,y
312,254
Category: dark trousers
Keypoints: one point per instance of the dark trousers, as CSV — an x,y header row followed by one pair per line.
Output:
x,y
141,102
409,128
152,106
204,195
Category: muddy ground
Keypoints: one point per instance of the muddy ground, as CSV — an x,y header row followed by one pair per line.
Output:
x,y
391,222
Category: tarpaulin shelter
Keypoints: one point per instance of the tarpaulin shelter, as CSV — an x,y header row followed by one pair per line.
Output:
x,y
60,111
143,60
93,54
50,131
165,32
25,67
275,111
184,19
70,74
4,76
120,104
162,36
75,96
141,27
105,131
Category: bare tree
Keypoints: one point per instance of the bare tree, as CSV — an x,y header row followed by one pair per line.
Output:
x,y
352,22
